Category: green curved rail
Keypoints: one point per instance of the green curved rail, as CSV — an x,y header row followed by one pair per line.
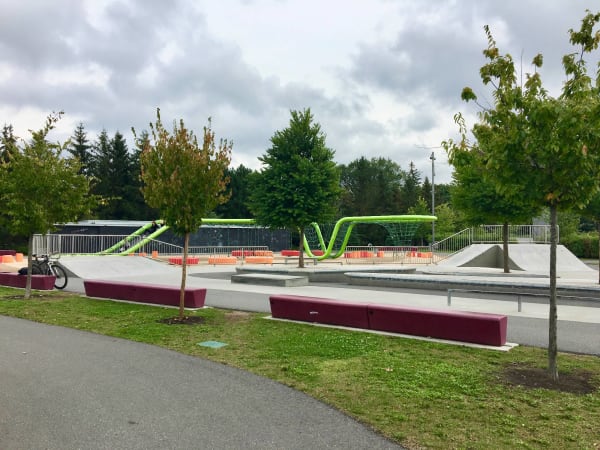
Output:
x,y
161,230
353,221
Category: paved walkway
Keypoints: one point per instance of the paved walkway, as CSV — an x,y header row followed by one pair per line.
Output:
x,y
66,389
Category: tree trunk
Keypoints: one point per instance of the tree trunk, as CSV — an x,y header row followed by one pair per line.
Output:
x,y
505,247
29,267
598,226
186,241
553,319
301,249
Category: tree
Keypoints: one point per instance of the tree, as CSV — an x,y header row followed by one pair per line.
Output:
x,y
39,188
410,189
476,196
183,180
239,192
8,143
114,176
541,147
299,181
370,187
80,148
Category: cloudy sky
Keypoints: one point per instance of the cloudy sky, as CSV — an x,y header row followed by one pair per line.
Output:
x,y
382,77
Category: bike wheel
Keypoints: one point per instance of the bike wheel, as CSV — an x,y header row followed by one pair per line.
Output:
x,y
61,277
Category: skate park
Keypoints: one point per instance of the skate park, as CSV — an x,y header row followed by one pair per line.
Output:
x,y
469,280
474,268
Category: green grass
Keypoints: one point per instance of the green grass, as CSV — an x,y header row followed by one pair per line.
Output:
x,y
421,394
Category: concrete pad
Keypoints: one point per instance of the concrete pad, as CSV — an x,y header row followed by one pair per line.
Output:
x,y
267,279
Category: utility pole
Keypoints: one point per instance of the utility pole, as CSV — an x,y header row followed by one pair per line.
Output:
x,y
432,157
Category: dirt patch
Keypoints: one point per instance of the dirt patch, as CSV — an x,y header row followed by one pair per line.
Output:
x,y
185,320
237,316
577,382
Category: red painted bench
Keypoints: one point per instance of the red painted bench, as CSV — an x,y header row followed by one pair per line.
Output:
x,y
144,293
478,328
40,282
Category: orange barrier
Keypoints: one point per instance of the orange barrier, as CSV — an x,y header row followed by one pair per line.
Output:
x,y
8,259
179,260
263,253
154,254
19,257
242,253
259,259
222,260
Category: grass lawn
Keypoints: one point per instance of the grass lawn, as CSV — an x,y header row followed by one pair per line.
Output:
x,y
420,394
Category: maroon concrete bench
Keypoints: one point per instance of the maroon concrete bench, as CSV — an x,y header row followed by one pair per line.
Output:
x,y
8,252
319,310
144,293
479,328
40,282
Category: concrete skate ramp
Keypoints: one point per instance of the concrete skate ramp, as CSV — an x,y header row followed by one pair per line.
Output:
x,y
526,257
109,266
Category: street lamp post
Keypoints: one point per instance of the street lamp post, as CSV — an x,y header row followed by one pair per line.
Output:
x,y
432,157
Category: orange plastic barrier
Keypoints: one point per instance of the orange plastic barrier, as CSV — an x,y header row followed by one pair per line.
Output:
x,y
154,254
19,257
222,260
8,259
263,253
179,260
259,259
242,253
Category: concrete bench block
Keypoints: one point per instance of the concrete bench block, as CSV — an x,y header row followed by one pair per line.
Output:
x,y
40,282
145,293
319,310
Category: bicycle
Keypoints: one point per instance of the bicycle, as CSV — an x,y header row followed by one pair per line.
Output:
x,y
45,265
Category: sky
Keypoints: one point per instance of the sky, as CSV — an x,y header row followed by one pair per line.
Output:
x,y
381,77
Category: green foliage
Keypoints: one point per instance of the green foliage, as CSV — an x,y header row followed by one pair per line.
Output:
x,y
537,149
115,173
40,188
8,143
238,190
80,148
299,182
582,245
183,180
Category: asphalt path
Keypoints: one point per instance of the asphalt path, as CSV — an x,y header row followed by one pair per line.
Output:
x,y
66,389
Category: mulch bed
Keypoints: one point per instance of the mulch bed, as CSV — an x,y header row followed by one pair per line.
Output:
x,y
186,320
577,382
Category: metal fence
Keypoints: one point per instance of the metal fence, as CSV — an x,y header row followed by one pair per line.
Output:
x,y
491,234
79,244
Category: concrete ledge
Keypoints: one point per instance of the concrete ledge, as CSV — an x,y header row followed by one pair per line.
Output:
x,y
477,328
318,274
270,279
40,282
443,283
